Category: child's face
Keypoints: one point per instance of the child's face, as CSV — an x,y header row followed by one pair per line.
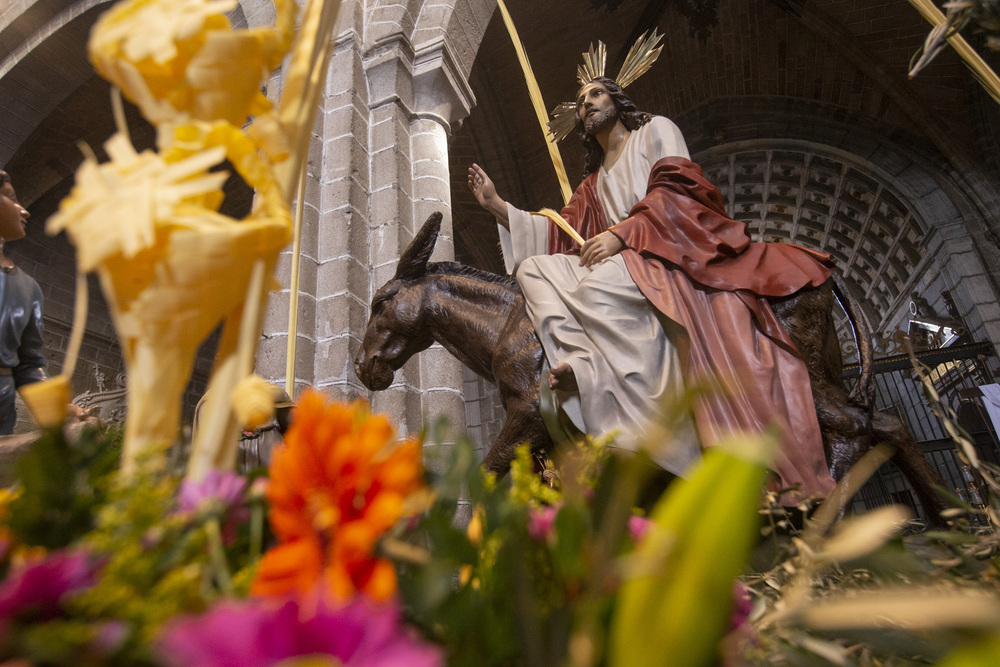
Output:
x,y
13,216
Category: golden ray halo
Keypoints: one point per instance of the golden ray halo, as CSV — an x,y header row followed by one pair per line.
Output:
x,y
640,58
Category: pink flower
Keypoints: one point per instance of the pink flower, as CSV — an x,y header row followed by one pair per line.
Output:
x,y
225,490
742,605
541,521
259,488
217,493
110,637
638,526
741,636
35,590
263,632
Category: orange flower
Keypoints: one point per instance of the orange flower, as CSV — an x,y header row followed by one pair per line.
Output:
x,y
337,485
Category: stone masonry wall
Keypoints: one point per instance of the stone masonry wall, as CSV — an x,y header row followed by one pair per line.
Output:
x,y
378,166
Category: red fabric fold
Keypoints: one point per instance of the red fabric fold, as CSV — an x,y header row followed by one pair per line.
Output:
x,y
682,220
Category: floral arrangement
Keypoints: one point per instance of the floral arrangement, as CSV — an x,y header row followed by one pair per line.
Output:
x,y
362,562
158,569
346,552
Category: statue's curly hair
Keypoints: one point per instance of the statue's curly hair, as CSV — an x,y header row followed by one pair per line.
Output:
x,y
630,116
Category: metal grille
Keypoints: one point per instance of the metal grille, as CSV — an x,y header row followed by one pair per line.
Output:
x,y
956,373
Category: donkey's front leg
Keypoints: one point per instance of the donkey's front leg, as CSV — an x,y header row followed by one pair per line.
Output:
x,y
523,424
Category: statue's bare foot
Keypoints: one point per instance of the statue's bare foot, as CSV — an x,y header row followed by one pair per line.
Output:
x,y
562,378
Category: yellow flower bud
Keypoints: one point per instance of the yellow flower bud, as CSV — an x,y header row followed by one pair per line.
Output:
x,y
253,401
47,400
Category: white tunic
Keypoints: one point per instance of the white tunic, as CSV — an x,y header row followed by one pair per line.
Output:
x,y
598,321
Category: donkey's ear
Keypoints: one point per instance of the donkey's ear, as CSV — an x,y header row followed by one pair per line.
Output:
x,y
413,262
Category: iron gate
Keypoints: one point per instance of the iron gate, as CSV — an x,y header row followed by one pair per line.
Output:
x,y
957,373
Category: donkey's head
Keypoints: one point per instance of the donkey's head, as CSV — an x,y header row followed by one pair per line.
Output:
x,y
396,329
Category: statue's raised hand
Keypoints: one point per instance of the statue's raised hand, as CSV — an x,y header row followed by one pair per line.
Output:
x,y
486,193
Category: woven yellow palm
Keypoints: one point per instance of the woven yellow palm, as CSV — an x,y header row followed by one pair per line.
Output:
x,y
172,267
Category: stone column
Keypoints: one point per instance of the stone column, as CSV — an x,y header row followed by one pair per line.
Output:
x,y
441,96
333,289
378,166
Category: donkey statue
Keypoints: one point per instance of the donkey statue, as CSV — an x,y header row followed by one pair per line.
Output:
x,y
480,318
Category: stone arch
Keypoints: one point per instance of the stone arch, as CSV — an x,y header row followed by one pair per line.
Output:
x,y
52,100
33,13
391,17
43,70
955,214
828,200
918,167
46,79
252,13
459,23
887,241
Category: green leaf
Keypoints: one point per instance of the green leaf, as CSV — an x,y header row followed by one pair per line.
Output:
x,y
677,603
984,653
62,484
572,529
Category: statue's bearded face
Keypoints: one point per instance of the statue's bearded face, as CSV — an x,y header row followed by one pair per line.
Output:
x,y
595,108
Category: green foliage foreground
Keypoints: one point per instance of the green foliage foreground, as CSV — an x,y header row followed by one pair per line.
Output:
x,y
544,569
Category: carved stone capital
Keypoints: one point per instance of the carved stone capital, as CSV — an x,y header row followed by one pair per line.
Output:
x,y
440,91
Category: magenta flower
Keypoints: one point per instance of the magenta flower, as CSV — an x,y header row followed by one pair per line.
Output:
x,y
261,633
224,489
35,590
638,526
742,635
541,521
110,637
742,605
259,488
220,494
